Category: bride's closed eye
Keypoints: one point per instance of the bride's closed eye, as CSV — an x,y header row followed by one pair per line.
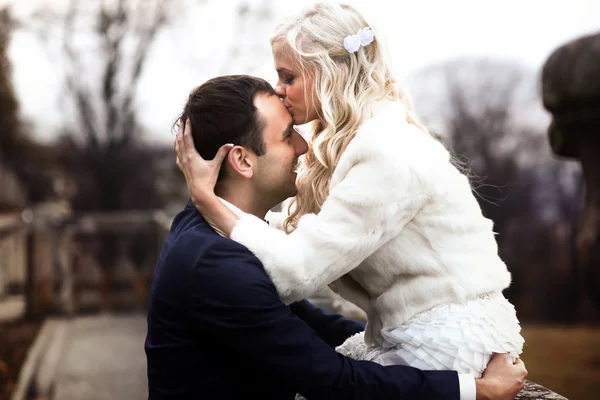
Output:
x,y
286,78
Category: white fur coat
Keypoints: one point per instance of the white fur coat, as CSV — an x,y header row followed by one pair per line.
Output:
x,y
400,232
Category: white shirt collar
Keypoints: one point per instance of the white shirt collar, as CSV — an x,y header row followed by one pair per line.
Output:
x,y
233,208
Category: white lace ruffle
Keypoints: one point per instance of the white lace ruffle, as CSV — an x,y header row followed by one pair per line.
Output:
x,y
460,337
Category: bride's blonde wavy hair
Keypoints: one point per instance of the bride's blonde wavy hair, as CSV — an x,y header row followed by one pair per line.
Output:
x,y
346,85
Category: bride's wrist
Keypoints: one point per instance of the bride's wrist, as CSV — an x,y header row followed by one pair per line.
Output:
x,y
203,201
217,214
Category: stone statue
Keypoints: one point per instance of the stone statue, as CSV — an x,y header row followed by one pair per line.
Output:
x,y
571,93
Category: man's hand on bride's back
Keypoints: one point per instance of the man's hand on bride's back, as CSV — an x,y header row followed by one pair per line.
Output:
x,y
502,379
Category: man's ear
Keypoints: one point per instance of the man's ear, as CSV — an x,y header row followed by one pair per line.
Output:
x,y
241,161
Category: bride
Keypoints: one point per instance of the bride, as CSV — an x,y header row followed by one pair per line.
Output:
x,y
381,214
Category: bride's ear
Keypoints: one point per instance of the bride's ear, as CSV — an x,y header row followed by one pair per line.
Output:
x,y
241,161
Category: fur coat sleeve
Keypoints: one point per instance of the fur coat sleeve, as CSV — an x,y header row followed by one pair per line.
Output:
x,y
377,187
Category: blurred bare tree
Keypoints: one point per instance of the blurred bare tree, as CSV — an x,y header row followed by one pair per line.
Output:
x,y
486,115
23,163
102,50
483,100
104,47
9,123
12,193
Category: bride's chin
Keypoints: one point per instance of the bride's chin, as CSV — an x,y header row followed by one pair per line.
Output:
x,y
299,121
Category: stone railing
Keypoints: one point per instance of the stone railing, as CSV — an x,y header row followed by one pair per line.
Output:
x,y
13,266
50,260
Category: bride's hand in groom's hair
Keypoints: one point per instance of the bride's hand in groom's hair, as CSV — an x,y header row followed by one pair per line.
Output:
x,y
200,174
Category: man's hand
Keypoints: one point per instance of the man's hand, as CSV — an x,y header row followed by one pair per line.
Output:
x,y
502,380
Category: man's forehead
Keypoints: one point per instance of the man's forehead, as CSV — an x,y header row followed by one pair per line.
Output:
x,y
269,105
276,118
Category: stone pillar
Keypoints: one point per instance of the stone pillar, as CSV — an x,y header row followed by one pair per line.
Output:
x,y
88,281
30,293
66,278
6,257
571,93
44,277
122,282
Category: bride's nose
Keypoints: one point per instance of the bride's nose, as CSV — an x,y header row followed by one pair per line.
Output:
x,y
280,91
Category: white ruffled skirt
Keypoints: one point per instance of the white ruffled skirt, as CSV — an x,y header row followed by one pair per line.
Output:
x,y
456,336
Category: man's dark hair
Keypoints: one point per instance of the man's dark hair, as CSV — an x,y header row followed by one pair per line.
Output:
x,y
222,111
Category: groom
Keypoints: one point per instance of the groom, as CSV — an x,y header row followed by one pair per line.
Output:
x,y
216,326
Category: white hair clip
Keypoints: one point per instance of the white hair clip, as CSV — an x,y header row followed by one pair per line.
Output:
x,y
363,37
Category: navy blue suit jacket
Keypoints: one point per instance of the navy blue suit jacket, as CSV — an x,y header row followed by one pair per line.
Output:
x,y
218,330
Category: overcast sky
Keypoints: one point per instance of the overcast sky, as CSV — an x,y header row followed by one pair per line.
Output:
x,y
419,33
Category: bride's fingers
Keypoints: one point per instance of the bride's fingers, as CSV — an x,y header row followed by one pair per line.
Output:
x,y
186,151
222,153
187,141
179,145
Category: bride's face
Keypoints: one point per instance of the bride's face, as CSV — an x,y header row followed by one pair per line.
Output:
x,y
295,90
